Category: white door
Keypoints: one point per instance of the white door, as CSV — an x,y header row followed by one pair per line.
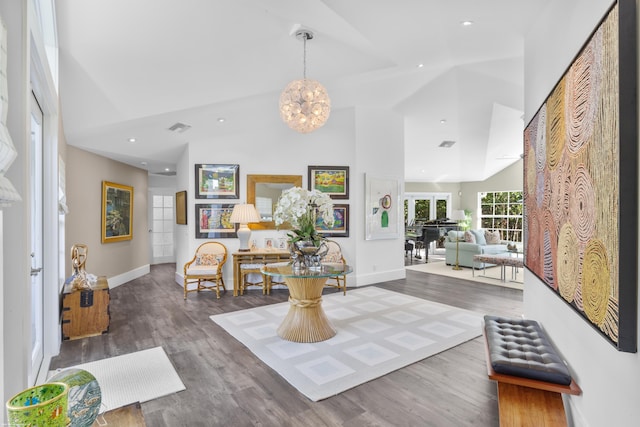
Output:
x,y
37,253
162,224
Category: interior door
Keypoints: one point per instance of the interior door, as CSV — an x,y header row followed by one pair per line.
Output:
x,y
37,253
162,225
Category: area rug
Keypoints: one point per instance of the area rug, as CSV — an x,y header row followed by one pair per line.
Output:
x,y
491,275
379,331
134,377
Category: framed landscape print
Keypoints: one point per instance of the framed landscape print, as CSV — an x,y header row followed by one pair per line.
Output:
x,y
382,207
217,181
581,182
214,221
340,223
333,180
117,212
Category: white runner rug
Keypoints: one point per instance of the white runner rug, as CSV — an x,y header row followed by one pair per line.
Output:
x,y
379,331
490,276
134,377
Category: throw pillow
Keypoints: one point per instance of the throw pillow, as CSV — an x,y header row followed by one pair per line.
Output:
x,y
469,237
492,237
206,259
479,235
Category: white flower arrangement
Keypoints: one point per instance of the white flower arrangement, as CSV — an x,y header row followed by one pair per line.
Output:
x,y
302,208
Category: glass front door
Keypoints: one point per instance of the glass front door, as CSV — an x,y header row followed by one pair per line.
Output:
x,y
37,253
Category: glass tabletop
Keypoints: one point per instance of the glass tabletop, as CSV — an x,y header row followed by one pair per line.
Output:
x,y
285,269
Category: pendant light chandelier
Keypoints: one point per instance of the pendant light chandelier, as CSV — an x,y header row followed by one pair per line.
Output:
x,y
304,104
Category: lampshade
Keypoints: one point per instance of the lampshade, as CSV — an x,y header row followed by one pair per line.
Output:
x,y
304,104
458,215
244,214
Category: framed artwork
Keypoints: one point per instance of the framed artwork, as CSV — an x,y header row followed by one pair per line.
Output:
x,y
217,181
382,207
214,221
181,207
269,243
282,243
333,180
580,216
340,223
117,212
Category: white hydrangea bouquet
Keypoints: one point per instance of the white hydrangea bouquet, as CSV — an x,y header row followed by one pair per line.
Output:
x,y
302,209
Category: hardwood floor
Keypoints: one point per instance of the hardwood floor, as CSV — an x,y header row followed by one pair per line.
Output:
x,y
227,385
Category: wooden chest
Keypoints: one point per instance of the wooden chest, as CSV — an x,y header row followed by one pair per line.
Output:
x,y
85,313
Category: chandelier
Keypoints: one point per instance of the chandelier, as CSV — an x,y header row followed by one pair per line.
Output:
x,y
304,104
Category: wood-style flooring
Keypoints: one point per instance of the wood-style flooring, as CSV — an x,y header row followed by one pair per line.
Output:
x,y
226,385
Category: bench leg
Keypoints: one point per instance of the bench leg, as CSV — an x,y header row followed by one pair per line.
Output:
x,y
521,406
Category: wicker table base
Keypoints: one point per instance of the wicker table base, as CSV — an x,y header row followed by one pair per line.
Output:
x,y
306,320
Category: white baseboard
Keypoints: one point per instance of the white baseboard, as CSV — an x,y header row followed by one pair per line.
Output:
x,y
378,276
123,278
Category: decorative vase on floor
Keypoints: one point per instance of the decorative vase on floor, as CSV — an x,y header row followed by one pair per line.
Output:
x,y
43,405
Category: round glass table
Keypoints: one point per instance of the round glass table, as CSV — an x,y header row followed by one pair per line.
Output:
x,y
306,320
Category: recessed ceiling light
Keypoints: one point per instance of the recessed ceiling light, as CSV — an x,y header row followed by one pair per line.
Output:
x,y
420,65
466,23
167,169
131,140
143,163
221,119
443,121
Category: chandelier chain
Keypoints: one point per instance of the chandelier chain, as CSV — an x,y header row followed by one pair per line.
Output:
x,y
304,56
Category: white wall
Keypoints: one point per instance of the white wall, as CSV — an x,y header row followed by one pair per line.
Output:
x,y
366,140
610,380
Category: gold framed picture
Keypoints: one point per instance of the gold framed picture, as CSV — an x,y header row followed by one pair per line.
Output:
x,y
117,212
181,207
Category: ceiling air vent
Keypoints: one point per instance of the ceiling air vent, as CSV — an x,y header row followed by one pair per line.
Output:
x,y
446,144
179,127
172,173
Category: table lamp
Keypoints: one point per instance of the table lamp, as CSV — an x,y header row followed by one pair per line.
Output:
x,y
243,214
457,216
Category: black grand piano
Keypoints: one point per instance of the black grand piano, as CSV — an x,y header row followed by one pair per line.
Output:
x,y
425,232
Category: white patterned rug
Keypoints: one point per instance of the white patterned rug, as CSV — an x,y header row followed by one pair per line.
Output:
x,y
379,331
134,377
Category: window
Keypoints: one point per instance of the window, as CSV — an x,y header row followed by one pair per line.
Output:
x,y
502,210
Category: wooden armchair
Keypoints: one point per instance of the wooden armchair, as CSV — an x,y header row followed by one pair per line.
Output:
x,y
206,266
334,256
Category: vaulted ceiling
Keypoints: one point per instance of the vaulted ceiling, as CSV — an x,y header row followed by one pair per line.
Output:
x,y
131,69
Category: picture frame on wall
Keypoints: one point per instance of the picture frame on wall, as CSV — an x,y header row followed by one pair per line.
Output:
x,y
181,208
117,212
332,180
213,221
382,207
217,181
340,223
580,215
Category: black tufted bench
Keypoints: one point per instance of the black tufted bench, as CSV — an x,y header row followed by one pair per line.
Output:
x,y
530,373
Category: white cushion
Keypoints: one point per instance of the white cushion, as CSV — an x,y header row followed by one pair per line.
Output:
x,y
202,270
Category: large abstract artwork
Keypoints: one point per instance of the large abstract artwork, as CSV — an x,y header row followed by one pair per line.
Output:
x,y
580,183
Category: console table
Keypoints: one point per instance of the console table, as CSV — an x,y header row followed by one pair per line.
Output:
x,y
258,256
306,320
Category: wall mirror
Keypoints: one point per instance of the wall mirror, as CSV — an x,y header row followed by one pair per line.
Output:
x,y
263,191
